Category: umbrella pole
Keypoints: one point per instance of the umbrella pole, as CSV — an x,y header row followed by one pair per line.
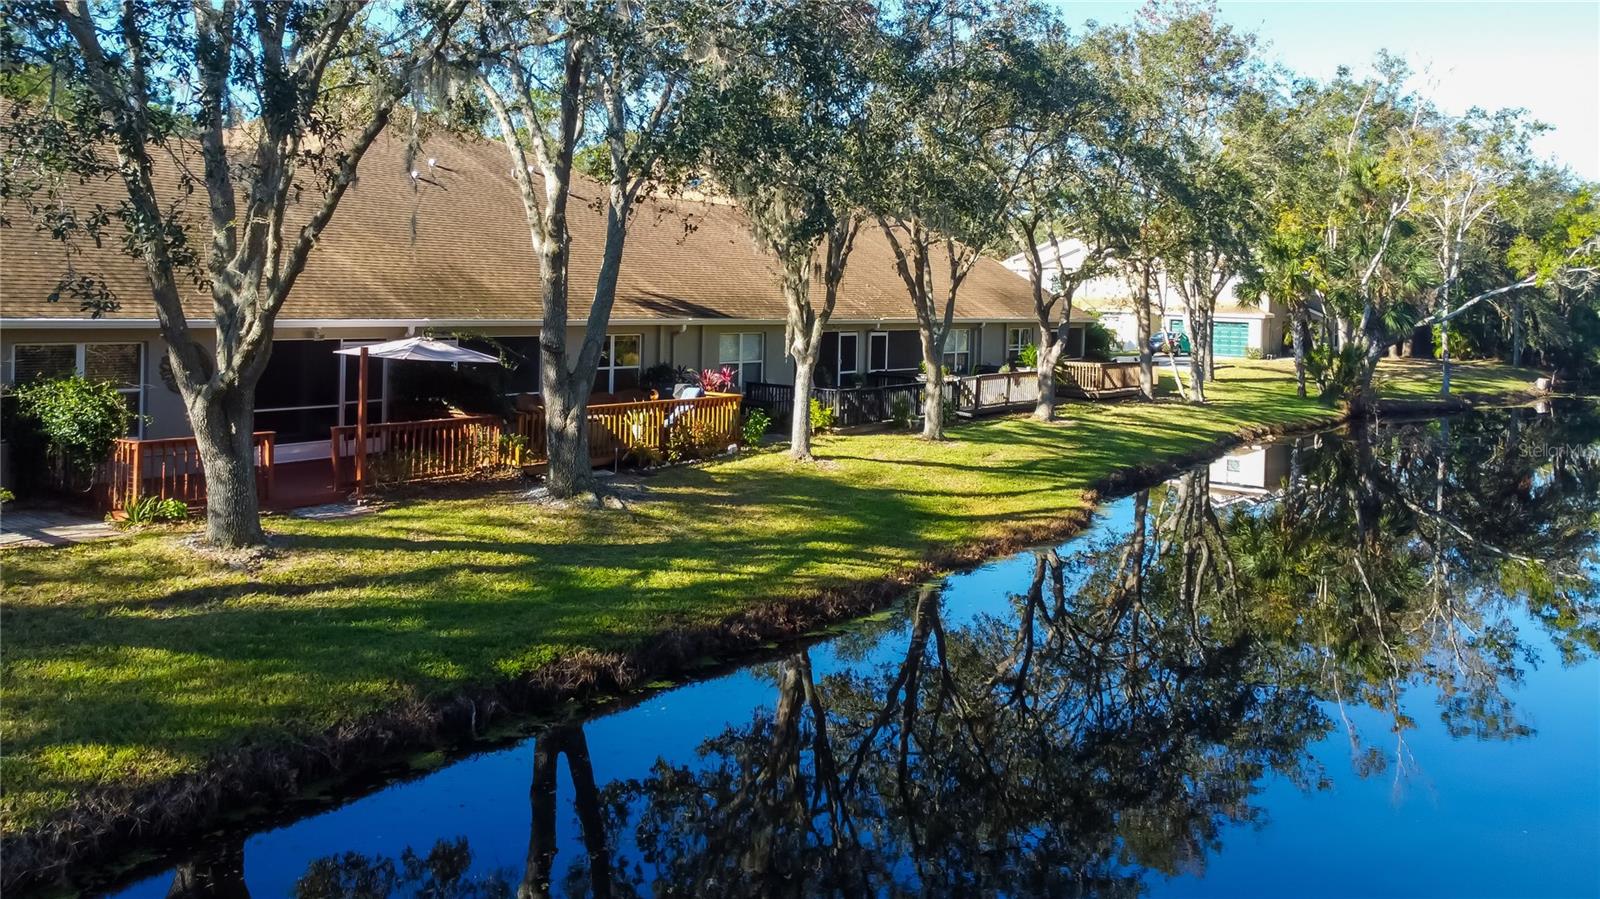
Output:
x,y
361,425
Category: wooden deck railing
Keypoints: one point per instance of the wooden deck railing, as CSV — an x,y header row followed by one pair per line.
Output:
x,y
644,427
863,405
400,451
777,400
987,394
1097,379
168,468
850,405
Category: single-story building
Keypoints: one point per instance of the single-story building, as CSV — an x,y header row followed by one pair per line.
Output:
x,y
1239,327
443,249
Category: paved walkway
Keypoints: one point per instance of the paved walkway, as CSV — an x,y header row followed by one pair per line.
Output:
x,y
42,527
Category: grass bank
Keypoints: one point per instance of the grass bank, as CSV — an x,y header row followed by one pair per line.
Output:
x,y
136,664
1415,382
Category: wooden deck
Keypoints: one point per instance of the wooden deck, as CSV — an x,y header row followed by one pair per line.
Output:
x,y
410,451
1097,380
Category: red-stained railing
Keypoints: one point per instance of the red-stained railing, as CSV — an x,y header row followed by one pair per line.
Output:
x,y
400,451
168,468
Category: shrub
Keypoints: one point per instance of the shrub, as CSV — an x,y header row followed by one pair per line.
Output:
x,y
513,447
822,417
1460,343
1253,352
661,378
900,412
1097,342
155,510
6,496
756,423
1338,375
691,439
1029,357
77,421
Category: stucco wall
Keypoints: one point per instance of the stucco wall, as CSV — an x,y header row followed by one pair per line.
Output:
x,y
163,408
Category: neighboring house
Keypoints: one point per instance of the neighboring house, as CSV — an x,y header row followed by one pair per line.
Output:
x,y
446,251
1238,327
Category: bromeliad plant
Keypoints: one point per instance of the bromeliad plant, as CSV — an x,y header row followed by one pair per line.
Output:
x,y
718,381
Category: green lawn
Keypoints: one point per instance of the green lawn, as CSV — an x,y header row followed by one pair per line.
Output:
x,y
132,660
1418,379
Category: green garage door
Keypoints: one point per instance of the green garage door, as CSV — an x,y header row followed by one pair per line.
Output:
x,y
1230,338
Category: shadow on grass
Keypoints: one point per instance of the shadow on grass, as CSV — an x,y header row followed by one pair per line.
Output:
x,y
142,651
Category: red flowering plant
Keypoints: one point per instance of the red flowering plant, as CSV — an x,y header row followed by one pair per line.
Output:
x,y
717,381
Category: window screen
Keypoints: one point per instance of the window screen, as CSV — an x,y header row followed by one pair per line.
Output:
x,y
43,361
118,363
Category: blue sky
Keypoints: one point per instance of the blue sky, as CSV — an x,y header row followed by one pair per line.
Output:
x,y
1542,56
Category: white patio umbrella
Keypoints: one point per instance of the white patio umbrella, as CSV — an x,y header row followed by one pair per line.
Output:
x,y
409,349
419,349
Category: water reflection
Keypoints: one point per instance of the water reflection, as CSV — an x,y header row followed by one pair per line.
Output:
x,y
1112,717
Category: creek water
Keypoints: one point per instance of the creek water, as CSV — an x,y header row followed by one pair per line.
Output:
x,y
1346,664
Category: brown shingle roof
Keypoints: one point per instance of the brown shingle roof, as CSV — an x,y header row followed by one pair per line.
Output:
x,y
471,257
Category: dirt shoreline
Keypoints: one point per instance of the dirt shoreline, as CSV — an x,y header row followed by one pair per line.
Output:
x,y
102,823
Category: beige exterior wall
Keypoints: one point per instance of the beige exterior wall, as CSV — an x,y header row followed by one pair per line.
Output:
x,y
162,407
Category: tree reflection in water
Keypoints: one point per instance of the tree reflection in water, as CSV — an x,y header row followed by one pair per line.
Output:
x,y
1113,717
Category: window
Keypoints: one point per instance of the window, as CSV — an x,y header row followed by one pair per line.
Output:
x,y
120,363
43,362
893,351
619,363
958,351
1016,340
742,353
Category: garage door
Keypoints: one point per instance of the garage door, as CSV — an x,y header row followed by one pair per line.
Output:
x,y
1230,338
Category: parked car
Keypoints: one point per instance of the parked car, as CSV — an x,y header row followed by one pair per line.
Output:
x,y
1177,341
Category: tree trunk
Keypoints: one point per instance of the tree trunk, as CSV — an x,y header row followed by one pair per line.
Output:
x,y
1365,399
933,394
1199,347
223,431
803,331
1300,336
570,471
542,832
805,367
1516,331
1444,357
1147,361
1051,346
